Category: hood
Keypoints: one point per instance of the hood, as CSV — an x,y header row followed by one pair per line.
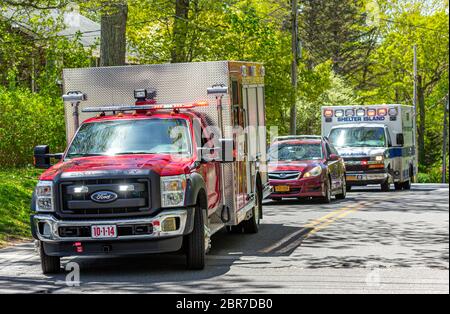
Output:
x,y
301,165
360,151
164,165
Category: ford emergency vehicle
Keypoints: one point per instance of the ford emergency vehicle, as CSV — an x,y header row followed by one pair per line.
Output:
x,y
377,143
155,165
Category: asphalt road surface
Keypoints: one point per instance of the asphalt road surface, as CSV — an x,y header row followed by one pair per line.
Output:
x,y
372,242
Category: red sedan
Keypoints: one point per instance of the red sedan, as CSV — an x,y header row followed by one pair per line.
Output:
x,y
306,167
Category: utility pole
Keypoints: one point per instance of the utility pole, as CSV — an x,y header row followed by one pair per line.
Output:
x,y
415,102
293,124
444,146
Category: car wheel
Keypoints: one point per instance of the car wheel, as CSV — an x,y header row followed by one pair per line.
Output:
x,y
343,195
196,243
327,198
49,264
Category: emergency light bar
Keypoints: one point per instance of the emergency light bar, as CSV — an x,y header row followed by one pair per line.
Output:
x,y
145,107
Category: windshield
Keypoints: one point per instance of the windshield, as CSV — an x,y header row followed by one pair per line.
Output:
x,y
155,136
295,152
358,137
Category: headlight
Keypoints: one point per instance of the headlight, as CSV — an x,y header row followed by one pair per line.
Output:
x,y
44,196
314,172
173,191
379,158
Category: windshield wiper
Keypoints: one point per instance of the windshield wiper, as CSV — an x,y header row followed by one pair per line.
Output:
x,y
84,155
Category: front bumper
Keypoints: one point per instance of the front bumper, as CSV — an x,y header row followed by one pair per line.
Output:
x,y
46,228
311,187
364,178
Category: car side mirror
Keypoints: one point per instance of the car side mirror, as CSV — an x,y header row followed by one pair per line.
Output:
x,y
400,139
333,157
42,157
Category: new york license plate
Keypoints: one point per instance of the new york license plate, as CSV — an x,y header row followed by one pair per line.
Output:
x,y
104,232
282,188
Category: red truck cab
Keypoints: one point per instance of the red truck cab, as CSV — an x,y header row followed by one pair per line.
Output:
x,y
145,178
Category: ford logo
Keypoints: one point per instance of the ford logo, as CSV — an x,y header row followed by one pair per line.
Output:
x,y
104,197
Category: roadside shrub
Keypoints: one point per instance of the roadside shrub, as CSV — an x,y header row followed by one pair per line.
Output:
x,y
432,174
28,119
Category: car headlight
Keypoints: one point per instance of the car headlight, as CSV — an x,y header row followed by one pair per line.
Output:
x,y
379,158
173,191
44,196
314,172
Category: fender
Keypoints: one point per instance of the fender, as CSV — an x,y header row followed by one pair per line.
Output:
x,y
194,185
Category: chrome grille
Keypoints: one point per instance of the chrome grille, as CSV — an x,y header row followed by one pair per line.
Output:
x,y
284,175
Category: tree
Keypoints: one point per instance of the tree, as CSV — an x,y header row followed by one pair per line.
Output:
x,y
336,30
113,33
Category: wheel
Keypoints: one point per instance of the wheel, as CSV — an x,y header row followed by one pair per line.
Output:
x,y
49,264
327,198
196,248
343,195
398,186
386,186
348,188
407,184
252,225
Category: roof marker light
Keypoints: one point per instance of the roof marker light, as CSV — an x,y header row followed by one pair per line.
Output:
x,y
328,113
382,112
339,113
349,113
393,112
371,112
361,112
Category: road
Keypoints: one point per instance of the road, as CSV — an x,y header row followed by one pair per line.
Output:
x,y
372,242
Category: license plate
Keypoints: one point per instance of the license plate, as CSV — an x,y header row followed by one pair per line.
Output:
x,y
282,188
357,178
104,232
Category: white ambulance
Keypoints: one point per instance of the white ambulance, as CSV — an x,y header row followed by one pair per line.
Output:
x,y
378,143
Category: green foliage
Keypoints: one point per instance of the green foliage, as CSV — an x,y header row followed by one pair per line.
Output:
x,y
26,120
16,188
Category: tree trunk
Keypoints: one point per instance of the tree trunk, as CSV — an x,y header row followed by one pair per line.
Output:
x,y
113,34
180,30
421,135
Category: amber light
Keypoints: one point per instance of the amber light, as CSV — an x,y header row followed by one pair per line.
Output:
x,y
371,112
382,112
376,166
328,113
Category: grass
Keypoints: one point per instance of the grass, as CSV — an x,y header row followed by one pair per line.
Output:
x,y
16,188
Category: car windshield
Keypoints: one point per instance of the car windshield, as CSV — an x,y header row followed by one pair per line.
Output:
x,y
295,152
358,137
148,136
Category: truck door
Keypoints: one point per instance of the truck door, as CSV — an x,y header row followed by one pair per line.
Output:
x,y
239,122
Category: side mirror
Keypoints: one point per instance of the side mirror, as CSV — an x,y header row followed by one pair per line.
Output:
x,y
42,157
333,157
400,139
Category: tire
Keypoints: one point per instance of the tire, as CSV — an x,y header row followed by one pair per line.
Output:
x,y
386,186
343,195
407,184
251,226
49,264
398,186
327,198
348,188
195,242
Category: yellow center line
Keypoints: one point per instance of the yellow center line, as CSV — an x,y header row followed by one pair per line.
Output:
x,y
302,230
